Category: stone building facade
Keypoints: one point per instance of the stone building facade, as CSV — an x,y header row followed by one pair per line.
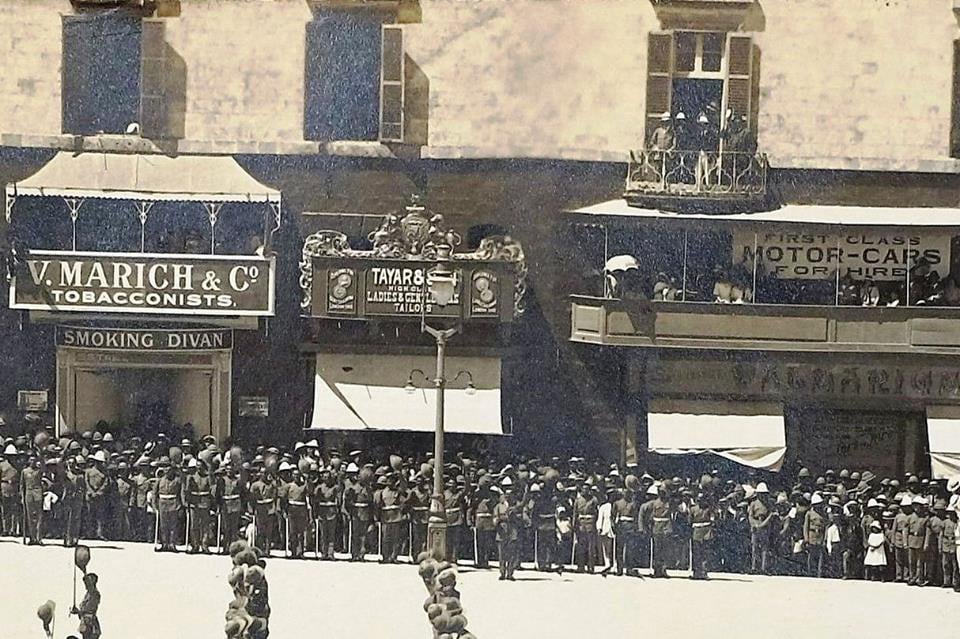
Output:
x,y
504,116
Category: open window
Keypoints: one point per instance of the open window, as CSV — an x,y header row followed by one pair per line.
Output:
x,y
118,71
101,72
699,73
343,75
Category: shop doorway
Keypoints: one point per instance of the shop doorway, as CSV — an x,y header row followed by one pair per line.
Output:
x,y
177,401
137,393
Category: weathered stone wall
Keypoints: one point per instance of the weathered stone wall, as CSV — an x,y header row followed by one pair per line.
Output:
x,y
860,84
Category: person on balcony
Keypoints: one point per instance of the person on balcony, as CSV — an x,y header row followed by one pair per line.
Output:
x,y
926,287
737,138
661,144
664,137
951,291
665,288
707,142
686,149
849,291
869,293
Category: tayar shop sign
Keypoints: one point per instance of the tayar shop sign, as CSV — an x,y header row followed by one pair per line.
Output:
x,y
871,254
61,281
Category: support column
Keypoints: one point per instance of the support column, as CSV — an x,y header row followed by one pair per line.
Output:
x,y
635,410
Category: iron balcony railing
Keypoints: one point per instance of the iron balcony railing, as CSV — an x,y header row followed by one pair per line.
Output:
x,y
726,174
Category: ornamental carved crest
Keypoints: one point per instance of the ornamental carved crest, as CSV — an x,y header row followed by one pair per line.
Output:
x,y
415,234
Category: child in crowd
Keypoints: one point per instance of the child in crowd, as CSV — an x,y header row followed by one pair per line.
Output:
x,y
875,560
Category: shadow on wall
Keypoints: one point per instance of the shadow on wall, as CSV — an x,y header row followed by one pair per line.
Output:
x,y
163,101
416,103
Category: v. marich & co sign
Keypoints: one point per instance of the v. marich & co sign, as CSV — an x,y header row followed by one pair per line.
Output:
x,y
150,283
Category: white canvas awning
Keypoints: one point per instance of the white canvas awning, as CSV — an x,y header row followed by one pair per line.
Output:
x,y
794,214
747,433
943,436
366,392
193,178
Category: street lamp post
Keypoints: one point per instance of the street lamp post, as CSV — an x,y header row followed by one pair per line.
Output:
x,y
442,283
437,522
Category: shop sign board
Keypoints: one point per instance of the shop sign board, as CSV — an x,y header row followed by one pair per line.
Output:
x,y
787,380
132,339
873,254
63,281
359,289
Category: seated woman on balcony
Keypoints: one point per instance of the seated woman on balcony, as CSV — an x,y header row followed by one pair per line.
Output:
x,y
849,291
665,288
951,292
926,288
869,293
730,290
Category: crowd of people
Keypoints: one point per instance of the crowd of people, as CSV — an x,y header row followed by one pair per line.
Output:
x,y
734,285
558,514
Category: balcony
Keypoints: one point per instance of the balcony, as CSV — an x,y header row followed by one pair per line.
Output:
x,y
691,181
767,327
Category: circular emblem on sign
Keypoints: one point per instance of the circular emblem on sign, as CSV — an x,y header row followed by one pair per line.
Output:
x,y
484,287
341,287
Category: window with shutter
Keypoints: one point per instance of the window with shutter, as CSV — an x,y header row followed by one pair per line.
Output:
x,y
101,72
659,77
343,76
391,84
153,73
739,84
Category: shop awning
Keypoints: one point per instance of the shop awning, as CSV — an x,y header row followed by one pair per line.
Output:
x,y
943,436
749,434
196,178
366,392
794,214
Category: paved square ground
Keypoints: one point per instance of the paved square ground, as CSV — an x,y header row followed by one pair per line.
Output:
x,y
158,596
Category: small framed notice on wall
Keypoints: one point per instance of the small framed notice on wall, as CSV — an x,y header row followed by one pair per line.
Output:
x,y
253,406
32,401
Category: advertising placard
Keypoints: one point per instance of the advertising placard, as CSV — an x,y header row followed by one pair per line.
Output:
x,y
874,254
133,339
61,281
400,289
32,401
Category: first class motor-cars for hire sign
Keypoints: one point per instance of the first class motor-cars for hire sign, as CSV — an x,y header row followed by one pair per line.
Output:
x,y
392,279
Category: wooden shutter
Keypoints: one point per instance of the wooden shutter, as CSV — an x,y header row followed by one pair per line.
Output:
x,y
391,84
739,85
659,77
153,72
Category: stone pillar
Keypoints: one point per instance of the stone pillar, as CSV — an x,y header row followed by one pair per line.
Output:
x,y
634,392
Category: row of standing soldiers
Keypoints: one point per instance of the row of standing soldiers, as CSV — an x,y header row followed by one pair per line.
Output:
x,y
625,526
